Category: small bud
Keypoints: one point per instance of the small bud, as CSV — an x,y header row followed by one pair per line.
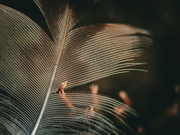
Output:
x,y
94,89
63,85
63,95
140,129
90,111
61,89
123,95
91,108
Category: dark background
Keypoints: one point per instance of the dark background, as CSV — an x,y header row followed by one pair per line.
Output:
x,y
154,95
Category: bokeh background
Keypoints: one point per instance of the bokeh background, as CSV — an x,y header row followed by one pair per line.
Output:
x,y
155,95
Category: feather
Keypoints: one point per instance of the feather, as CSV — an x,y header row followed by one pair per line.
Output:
x,y
32,66
27,60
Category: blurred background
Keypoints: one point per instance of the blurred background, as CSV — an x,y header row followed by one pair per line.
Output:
x,y
155,95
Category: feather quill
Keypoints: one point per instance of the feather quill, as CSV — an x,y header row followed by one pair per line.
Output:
x,y
32,66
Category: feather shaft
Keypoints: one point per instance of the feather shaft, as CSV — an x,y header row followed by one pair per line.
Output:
x,y
52,80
